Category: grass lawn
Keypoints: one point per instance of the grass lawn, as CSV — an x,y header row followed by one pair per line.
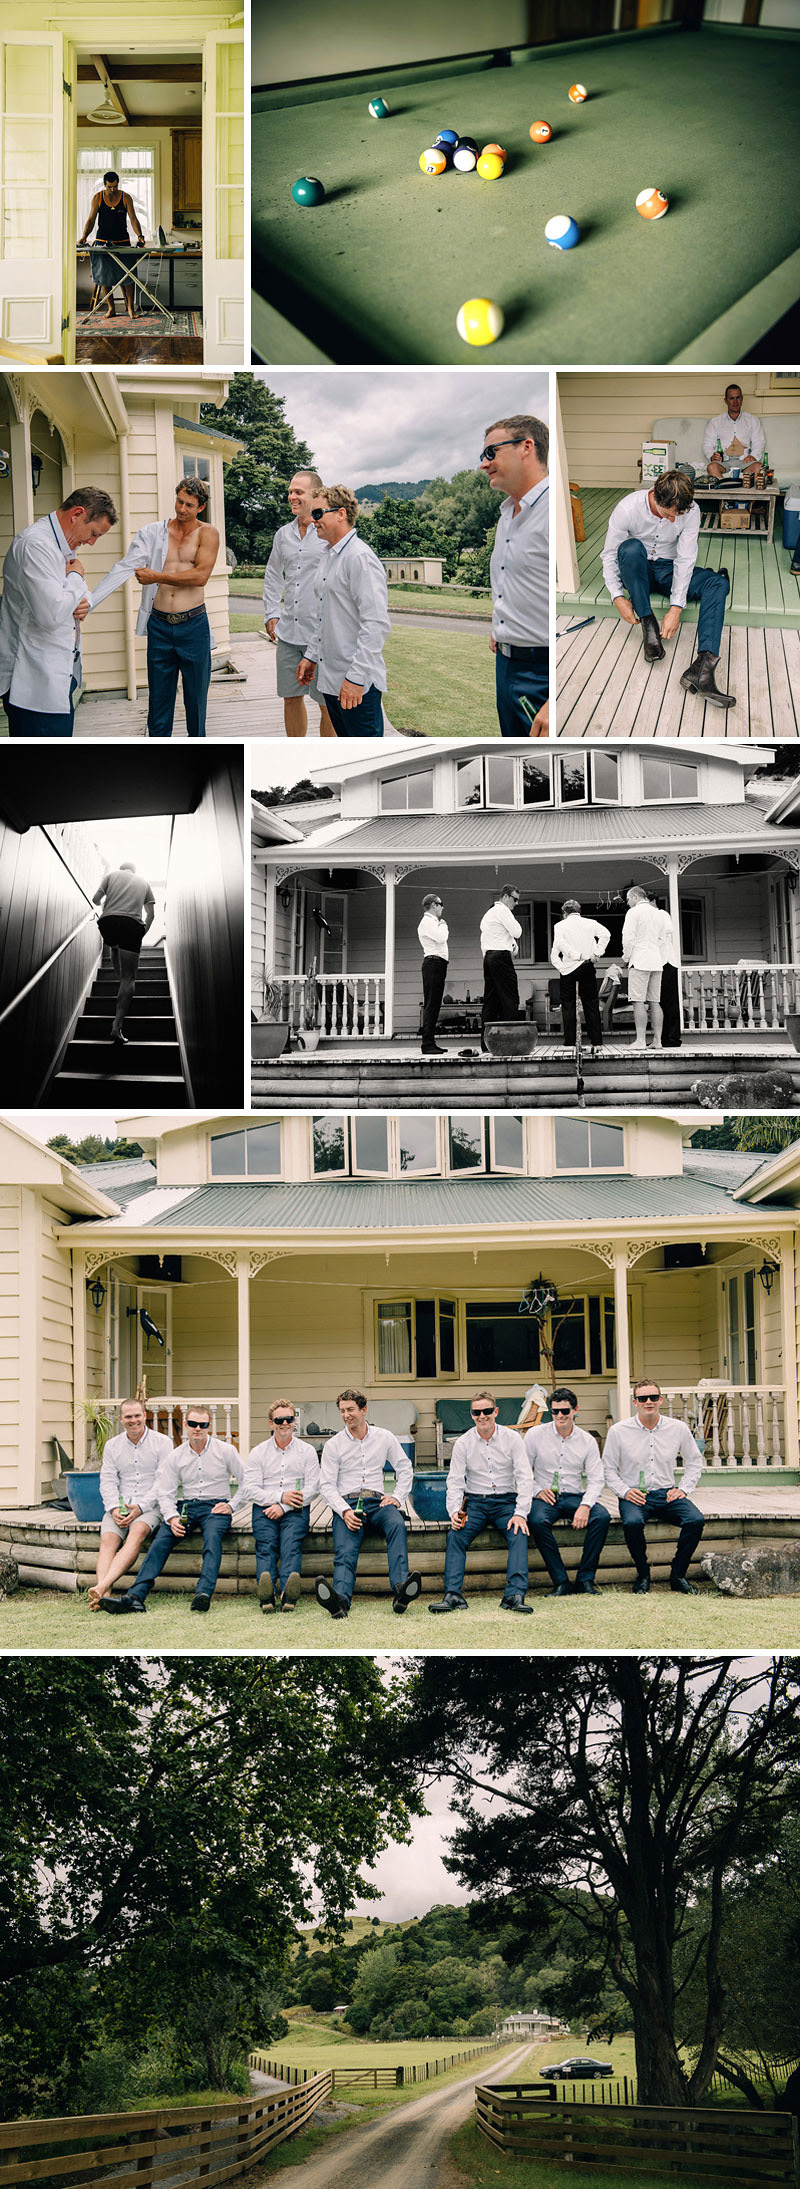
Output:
x,y
436,600
369,2105
484,2168
316,2047
441,683
47,1619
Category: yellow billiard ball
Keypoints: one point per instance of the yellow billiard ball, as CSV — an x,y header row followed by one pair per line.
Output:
x,y
434,161
490,166
652,204
541,132
578,92
479,321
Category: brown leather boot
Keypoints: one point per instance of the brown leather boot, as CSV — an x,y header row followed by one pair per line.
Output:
x,y
706,687
651,639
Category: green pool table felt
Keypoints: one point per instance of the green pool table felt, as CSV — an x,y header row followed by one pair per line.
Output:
x,y
377,273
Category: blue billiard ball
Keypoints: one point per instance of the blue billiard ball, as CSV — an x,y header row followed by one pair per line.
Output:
x,y
379,109
447,136
563,232
308,191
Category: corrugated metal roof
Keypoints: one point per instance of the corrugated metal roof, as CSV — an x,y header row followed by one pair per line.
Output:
x,y
721,1166
566,828
380,1205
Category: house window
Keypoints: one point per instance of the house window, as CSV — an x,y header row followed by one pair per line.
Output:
x,y
370,1143
469,783
571,780
665,780
408,793
330,1146
194,467
417,1145
321,932
467,1144
136,166
416,1338
537,788
253,1153
605,778
500,1341
584,1144
693,928
507,1143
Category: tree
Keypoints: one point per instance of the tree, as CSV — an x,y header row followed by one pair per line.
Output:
x,y
92,1149
653,1785
256,482
750,1132
409,528
465,506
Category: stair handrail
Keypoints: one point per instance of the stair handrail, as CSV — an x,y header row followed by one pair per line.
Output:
x,y
89,918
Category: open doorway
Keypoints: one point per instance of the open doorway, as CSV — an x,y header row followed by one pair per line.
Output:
x,y
139,190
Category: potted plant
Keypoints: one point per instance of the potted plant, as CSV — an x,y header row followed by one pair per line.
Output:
x,y
83,1483
308,1032
270,1032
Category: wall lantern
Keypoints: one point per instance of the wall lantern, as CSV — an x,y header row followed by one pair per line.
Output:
x,y
98,1293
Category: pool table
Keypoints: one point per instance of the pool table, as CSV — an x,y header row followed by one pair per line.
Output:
x,y
377,273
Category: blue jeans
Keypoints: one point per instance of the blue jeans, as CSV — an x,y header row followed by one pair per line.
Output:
x,y
709,587
27,722
287,1536
679,1513
173,649
516,680
388,1521
487,1512
541,1521
214,1527
365,720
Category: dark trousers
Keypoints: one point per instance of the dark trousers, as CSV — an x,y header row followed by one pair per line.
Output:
x,y
709,587
434,975
680,1513
583,983
365,720
670,1005
213,1526
520,679
173,650
542,1518
500,990
388,1521
27,722
286,1536
487,1512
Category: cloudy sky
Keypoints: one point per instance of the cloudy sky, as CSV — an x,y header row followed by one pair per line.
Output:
x,y
413,422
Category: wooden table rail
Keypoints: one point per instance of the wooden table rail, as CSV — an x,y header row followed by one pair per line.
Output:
x,y
728,2147
175,2145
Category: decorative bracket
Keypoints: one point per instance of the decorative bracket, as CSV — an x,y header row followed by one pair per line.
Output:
x,y
676,862
259,1261
226,1259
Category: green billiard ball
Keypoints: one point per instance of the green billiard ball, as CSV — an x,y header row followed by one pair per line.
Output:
x,y
308,191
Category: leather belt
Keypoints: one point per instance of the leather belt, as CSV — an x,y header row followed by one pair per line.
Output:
x,y
519,653
180,615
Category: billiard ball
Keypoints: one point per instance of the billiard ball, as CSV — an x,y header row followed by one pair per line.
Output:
x,y
434,161
496,148
563,232
541,132
447,136
652,204
465,156
578,93
479,321
490,166
308,191
379,108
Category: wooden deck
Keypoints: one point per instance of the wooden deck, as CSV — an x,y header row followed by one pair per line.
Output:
x,y
242,705
604,686
762,594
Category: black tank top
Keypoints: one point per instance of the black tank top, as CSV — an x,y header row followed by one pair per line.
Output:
x,y
112,223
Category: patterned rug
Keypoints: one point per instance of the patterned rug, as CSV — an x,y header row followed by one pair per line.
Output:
x,y
146,324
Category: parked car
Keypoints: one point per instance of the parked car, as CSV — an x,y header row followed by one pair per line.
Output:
x,y
576,2071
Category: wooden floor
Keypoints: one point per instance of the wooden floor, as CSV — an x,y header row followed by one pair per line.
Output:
x,y
134,349
762,593
604,686
243,705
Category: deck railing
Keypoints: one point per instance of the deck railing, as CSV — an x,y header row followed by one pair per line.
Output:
x,y
739,999
742,1424
167,1413
346,1003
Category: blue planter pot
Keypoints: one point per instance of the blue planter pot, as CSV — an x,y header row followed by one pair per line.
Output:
x,y
428,1494
83,1491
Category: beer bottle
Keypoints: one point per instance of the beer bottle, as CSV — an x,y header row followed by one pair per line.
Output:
x,y
360,1504
183,1515
298,1483
554,1483
123,1508
642,1483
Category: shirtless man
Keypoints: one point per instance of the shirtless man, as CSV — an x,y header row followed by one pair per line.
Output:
x,y
112,209
172,561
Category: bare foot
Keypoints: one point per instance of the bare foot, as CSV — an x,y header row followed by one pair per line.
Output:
x,y
95,1597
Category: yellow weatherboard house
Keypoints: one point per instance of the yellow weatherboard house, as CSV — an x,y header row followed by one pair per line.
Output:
x,y
157,96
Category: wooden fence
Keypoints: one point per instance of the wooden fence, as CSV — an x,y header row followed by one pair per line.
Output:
x,y
168,2149
376,2077
739,2148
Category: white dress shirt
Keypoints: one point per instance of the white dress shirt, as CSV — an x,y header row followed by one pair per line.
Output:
x,y
740,437
490,1467
129,1470
576,939
205,1474
571,1457
519,570
499,929
669,949
631,1448
352,1467
643,939
148,551
434,936
39,638
664,542
290,582
270,1471
352,617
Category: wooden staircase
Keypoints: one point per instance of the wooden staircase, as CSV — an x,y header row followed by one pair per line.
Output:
x,y
97,1070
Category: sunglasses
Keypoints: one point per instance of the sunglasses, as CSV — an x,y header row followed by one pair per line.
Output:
x,y
492,447
317,513
482,1413
647,1398
190,1424
282,1421
560,1410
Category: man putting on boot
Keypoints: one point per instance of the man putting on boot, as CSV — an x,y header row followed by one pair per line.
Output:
x,y
651,546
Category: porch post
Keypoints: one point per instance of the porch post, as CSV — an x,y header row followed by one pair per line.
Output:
x,y
267,970
675,916
243,1327
127,590
789,1350
19,434
78,1352
390,885
621,1327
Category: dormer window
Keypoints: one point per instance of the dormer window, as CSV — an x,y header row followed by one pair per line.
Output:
x,y
664,781
417,1146
511,780
585,1144
255,1152
408,793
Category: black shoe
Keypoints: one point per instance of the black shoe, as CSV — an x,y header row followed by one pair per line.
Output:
x,y
682,1586
410,1588
641,1586
706,687
562,1588
266,1591
434,1050
585,1588
651,639
291,1592
119,1036
122,1603
330,1599
200,1601
450,1602
514,1603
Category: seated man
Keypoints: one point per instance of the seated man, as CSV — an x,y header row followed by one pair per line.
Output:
x,y
564,1457
651,546
128,1471
735,440
577,944
200,1470
489,1485
640,1462
351,1481
281,1477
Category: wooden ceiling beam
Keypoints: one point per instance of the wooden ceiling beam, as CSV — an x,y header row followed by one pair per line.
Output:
x,y
144,71
101,66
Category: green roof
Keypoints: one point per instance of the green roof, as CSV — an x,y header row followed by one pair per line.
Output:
x,y
380,1205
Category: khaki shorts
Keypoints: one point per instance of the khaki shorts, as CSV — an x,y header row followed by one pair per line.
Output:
x,y
289,659
644,987
150,1519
